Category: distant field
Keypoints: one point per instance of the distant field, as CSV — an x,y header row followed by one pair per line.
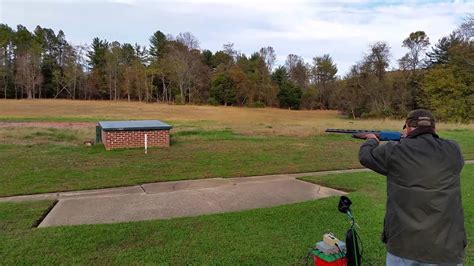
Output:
x,y
206,142
269,121
279,235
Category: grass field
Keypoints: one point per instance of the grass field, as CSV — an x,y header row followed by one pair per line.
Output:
x,y
278,236
206,142
267,121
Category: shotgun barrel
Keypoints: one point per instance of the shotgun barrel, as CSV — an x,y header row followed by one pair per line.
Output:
x,y
362,133
352,131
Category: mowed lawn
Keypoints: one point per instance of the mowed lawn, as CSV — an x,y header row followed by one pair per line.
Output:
x,y
274,236
64,166
38,160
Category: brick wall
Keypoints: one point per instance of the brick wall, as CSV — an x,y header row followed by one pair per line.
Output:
x,y
135,139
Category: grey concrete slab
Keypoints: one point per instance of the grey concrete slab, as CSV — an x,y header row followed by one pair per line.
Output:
x,y
264,178
332,172
179,203
181,198
107,192
168,186
152,188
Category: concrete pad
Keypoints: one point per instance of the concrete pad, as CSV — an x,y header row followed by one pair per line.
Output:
x,y
101,192
168,186
180,198
165,187
223,197
332,172
184,185
264,178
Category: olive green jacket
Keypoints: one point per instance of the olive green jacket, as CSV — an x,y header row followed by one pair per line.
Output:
x,y
424,218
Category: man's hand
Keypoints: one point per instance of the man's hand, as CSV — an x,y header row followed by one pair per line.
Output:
x,y
366,136
372,136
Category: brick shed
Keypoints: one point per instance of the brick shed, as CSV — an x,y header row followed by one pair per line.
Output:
x,y
131,134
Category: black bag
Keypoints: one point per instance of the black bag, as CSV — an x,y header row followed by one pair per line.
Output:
x,y
353,252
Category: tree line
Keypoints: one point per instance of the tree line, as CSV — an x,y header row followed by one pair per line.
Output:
x,y
174,69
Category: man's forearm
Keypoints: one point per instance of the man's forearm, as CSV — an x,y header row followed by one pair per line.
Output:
x,y
370,159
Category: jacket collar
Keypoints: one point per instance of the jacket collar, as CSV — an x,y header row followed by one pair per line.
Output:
x,y
421,131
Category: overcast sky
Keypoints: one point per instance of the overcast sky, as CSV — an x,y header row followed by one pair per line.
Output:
x,y
344,29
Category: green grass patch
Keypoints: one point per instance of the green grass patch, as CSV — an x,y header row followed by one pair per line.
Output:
x,y
52,134
47,160
39,168
226,134
464,137
273,236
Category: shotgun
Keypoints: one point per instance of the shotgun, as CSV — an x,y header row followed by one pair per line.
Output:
x,y
362,134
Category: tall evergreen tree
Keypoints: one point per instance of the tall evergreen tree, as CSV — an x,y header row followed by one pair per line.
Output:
x,y
324,73
157,44
439,54
223,90
97,62
6,58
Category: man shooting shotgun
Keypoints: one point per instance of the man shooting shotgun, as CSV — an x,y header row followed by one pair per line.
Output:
x,y
424,218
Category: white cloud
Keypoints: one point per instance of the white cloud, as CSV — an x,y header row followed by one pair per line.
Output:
x,y
307,28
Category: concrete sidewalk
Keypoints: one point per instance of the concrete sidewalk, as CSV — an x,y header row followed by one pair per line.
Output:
x,y
183,198
166,200
179,198
167,186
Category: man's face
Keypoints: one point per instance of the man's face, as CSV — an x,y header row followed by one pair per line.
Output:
x,y
407,129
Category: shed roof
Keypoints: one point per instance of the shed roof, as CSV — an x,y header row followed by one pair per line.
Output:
x,y
133,125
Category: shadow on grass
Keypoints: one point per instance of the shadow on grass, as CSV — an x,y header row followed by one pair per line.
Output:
x,y
44,214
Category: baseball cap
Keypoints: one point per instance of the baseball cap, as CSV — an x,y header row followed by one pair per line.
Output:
x,y
420,118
